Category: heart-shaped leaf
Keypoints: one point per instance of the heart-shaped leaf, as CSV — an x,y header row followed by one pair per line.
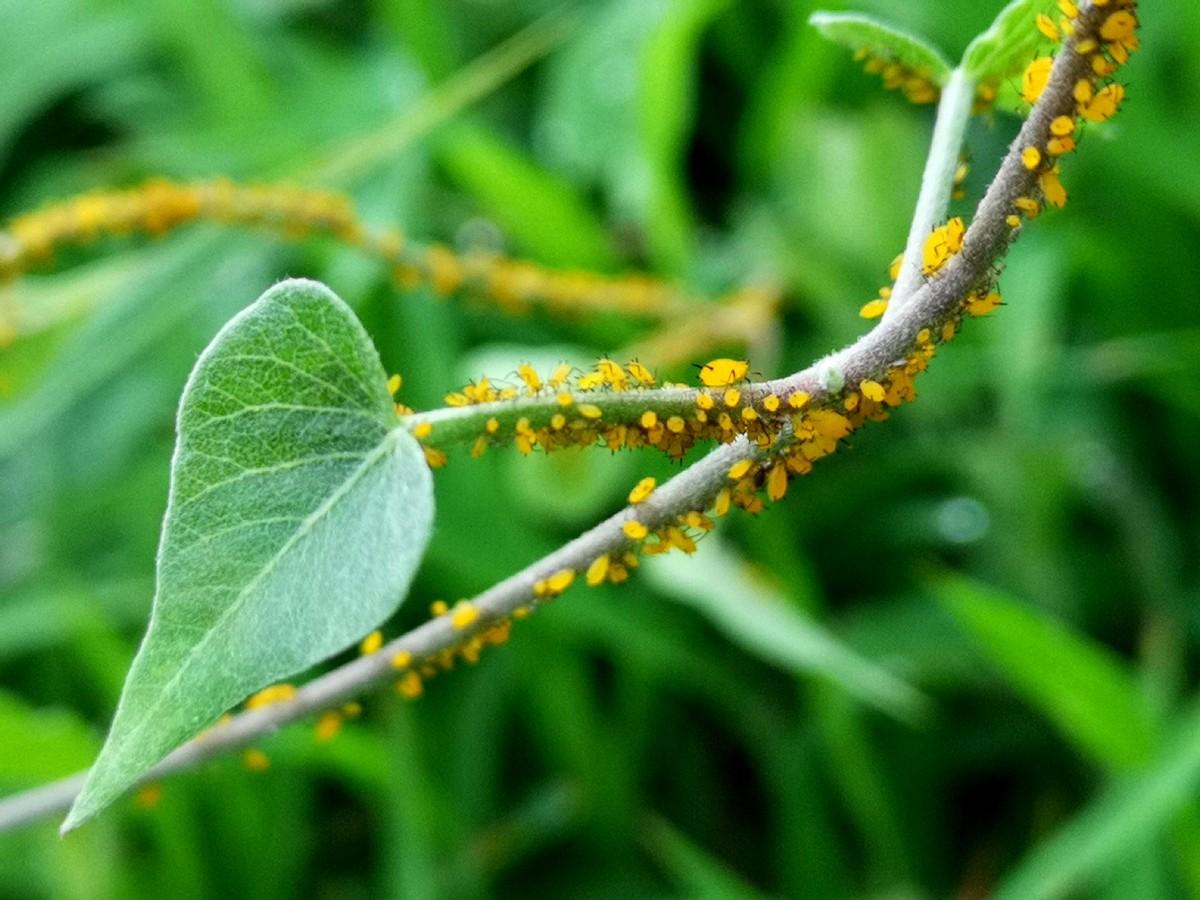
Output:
x,y
297,516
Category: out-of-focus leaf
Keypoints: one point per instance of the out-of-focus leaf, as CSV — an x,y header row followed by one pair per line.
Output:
x,y
545,216
1122,820
864,34
1082,688
1008,45
667,105
40,745
698,874
753,615
297,517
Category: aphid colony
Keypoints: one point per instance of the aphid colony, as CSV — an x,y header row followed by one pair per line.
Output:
x,y
160,206
620,405
914,82
602,405
1097,98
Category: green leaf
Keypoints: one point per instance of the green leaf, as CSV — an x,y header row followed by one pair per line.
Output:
x,y
1077,684
1008,45
864,33
297,516
1121,821
745,607
542,213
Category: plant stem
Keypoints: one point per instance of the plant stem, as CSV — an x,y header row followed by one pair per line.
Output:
x,y
932,303
937,182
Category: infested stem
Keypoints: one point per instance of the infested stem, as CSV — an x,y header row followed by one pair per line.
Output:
x,y
937,182
935,302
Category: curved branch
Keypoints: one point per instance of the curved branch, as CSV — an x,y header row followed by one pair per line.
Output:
x,y
694,488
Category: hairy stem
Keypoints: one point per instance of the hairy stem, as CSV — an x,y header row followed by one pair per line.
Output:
x,y
937,182
933,303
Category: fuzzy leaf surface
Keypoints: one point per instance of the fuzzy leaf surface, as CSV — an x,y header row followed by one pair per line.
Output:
x,y
297,516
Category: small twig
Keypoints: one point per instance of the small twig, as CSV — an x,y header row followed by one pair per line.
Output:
x,y
937,182
938,299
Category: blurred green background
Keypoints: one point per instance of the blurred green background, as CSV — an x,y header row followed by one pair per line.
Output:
x,y
959,659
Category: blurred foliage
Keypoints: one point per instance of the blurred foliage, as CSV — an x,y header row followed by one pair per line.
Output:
x,y
1016,551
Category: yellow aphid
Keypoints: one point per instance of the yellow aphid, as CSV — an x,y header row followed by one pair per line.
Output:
x,y
1059,146
981,306
1053,190
1068,9
732,397
872,390
559,376
410,685
643,375
722,372
740,468
1062,126
394,384
597,571
560,581
1119,26
1086,46
612,373
721,504
705,401
529,375
1013,221
1047,27
438,608
799,399
464,615
590,411
371,643
148,796
1036,77
566,398
873,309
422,430
635,530
1083,92
255,760
851,402
675,424
590,381
648,419
558,421
1104,104
435,459
402,659
328,726
457,399
642,490
942,244
1103,66
1031,158
1029,206
777,481
894,267
771,403
272,694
